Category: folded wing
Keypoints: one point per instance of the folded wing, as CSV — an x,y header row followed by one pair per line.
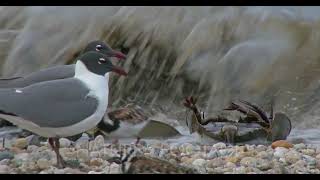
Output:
x,y
48,104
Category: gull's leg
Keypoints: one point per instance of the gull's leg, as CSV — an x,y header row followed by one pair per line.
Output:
x,y
51,142
137,141
55,144
61,163
3,144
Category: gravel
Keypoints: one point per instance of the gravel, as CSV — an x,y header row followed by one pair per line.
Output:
x,y
91,157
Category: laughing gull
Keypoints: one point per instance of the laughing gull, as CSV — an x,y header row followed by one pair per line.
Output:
x,y
61,71
62,107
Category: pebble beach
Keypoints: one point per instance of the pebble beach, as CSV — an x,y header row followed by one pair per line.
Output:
x,y
92,157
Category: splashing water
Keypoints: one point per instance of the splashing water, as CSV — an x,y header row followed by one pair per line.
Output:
x,y
216,53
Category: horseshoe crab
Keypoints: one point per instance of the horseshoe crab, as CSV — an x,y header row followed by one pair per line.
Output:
x,y
255,125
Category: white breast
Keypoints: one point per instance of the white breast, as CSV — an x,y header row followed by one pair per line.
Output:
x,y
99,89
97,84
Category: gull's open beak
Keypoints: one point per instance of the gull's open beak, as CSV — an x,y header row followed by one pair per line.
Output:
x,y
119,70
118,54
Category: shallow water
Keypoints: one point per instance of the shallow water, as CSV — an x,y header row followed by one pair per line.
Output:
x,y
216,53
310,136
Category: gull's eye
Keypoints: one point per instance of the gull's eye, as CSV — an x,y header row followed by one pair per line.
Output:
x,y
98,47
102,60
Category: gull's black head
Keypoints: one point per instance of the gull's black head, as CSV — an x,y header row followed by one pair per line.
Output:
x,y
99,63
103,48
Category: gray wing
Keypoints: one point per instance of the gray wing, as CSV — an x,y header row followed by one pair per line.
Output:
x,y
53,73
49,104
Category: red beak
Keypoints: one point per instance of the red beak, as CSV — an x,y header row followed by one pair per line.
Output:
x,y
119,55
119,71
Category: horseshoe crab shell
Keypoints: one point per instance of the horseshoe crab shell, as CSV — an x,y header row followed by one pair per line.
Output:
x,y
280,127
157,129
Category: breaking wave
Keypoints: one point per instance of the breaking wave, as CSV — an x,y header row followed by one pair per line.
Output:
x,y
215,53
